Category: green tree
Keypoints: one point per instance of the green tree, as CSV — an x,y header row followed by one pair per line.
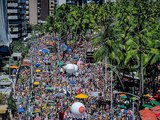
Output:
x,y
12,105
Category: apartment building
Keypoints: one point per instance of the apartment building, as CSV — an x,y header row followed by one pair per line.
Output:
x,y
16,11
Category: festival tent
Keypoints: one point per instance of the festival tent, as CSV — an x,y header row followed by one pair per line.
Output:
x,y
147,114
156,108
156,111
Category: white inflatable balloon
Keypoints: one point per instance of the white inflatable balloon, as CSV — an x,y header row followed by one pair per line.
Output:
x,y
70,68
77,109
75,68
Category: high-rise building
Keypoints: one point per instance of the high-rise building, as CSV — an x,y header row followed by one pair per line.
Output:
x,y
44,10
28,17
51,6
33,12
17,19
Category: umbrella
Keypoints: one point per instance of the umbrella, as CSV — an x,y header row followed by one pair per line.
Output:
x,y
133,98
45,50
147,115
49,88
14,67
38,71
81,96
72,82
154,102
36,83
147,106
69,49
124,97
38,64
60,63
123,106
64,47
20,110
51,43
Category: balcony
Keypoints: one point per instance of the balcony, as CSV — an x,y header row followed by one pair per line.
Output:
x,y
14,36
12,17
16,29
27,12
27,2
12,4
12,11
27,17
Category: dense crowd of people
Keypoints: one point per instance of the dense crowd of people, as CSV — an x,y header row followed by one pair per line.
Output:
x,y
48,91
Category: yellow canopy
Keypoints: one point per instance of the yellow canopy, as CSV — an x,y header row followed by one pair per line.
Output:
x,y
81,96
36,83
14,67
147,95
38,71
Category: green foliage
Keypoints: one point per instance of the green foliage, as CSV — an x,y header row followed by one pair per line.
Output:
x,y
133,29
124,29
12,104
2,98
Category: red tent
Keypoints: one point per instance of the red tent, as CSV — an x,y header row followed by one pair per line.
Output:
x,y
156,111
156,108
147,114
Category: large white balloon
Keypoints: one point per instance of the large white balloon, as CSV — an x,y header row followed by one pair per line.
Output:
x,y
77,109
70,68
75,68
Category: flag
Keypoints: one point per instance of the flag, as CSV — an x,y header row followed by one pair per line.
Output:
x,y
79,90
